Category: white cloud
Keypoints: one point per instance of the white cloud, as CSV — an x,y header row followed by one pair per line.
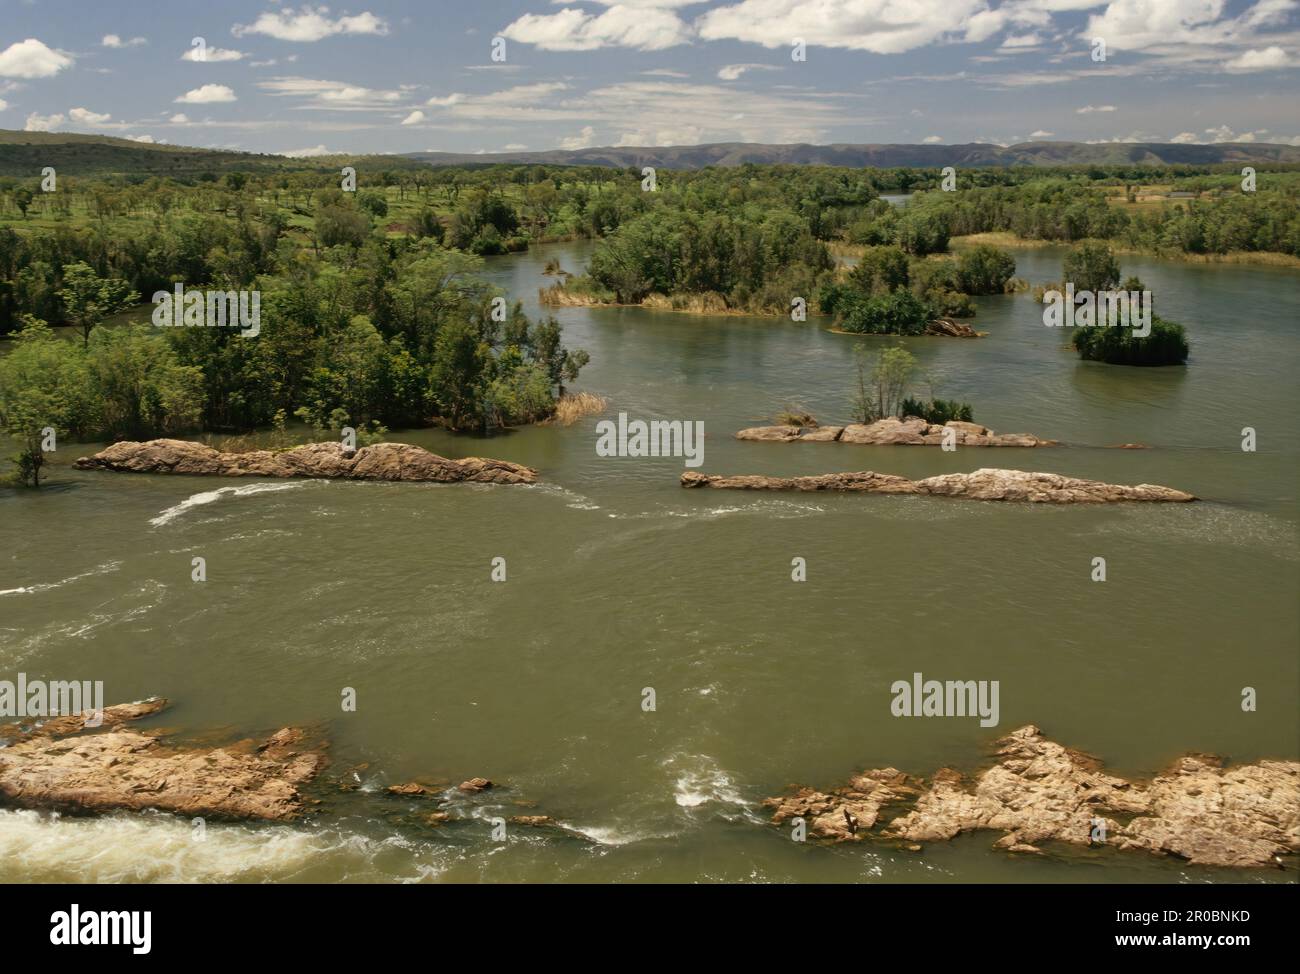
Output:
x,y
180,118
43,123
582,140
645,28
1184,138
667,135
113,40
32,59
1267,59
932,139
141,138
206,95
86,117
731,72
880,26
212,55
415,118
3,104
334,95
452,99
1090,109
316,150
1040,134
665,73
310,24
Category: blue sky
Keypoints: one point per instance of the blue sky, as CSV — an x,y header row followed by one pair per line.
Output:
x,y
402,76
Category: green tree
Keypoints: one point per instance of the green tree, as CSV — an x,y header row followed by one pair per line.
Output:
x,y
1091,266
88,298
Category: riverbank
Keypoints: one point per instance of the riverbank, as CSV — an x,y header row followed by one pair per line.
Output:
x,y
1261,257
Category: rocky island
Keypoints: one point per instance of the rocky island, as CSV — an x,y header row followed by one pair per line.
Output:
x,y
985,484
1198,810
54,765
909,431
381,461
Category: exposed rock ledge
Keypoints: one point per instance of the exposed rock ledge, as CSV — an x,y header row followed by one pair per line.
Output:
x,y
910,431
1039,791
123,768
381,461
986,484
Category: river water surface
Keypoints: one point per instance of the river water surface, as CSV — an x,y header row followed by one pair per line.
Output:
x,y
620,580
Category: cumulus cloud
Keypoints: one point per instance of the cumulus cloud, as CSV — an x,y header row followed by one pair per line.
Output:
x,y
86,117
316,150
643,27
583,140
879,26
1090,109
32,59
932,139
310,24
1040,134
180,118
206,95
415,118
1266,59
142,138
43,123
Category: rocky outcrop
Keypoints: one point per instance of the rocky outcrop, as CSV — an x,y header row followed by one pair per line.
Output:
x,y
63,764
948,328
986,484
381,461
845,813
909,431
1040,791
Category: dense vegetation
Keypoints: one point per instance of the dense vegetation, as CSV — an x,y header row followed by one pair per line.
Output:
x,y
1091,266
374,314
358,326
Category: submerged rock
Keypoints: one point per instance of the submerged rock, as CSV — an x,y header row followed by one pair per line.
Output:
x,y
123,768
909,431
1039,791
985,484
381,461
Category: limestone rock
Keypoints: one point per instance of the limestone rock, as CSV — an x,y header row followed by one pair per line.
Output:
x,y
123,768
984,484
1040,791
381,461
908,431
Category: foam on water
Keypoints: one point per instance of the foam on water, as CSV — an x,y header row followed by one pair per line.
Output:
x,y
103,569
212,496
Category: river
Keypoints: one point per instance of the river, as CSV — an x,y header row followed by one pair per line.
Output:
x,y
619,580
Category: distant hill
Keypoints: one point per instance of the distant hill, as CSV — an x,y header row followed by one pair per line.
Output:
x,y
26,153
73,154
887,156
